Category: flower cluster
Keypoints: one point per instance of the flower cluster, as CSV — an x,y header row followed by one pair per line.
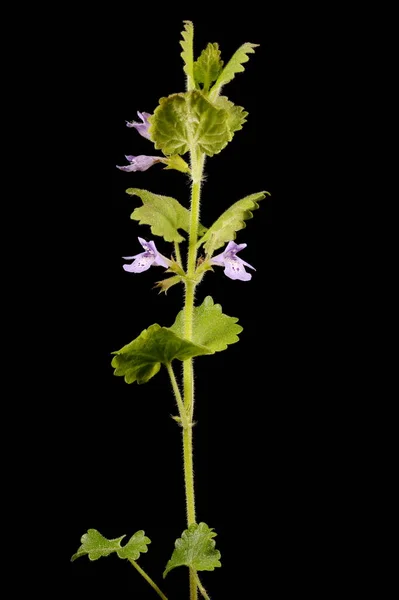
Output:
x,y
234,267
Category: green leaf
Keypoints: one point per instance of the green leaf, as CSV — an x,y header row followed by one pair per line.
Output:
x,y
164,214
211,328
176,162
96,545
233,219
182,122
142,358
136,545
236,114
233,66
195,549
208,66
188,53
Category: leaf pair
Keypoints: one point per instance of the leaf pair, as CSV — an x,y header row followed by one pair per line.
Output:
x,y
209,66
195,548
166,216
187,122
198,119
213,331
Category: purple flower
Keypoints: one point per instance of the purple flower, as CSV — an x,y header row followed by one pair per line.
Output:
x,y
233,266
142,128
140,163
144,260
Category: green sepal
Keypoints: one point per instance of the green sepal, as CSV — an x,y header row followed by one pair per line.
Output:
x,y
142,358
174,267
176,162
164,214
232,220
211,328
96,546
187,43
165,284
195,549
232,67
208,66
188,121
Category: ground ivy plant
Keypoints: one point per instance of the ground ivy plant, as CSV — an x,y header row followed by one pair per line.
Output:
x,y
199,123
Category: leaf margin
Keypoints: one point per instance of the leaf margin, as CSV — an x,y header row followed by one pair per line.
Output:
x,y
247,214
233,67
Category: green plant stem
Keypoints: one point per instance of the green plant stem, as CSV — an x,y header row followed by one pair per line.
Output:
x,y
178,255
148,579
201,587
197,166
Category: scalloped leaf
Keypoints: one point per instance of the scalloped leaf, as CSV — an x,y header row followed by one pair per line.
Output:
x,y
195,549
142,358
96,545
164,214
185,121
236,114
135,546
232,67
211,328
232,220
187,43
208,66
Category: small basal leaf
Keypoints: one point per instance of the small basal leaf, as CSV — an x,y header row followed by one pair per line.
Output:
x,y
233,66
236,114
183,122
142,358
164,214
195,549
96,545
135,546
187,43
232,220
211,328
208,66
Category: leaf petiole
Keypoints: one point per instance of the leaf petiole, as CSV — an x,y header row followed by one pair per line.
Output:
x,y
200,586
179,399
148,579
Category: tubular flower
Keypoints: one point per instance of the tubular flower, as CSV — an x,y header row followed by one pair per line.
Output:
x,y
233,266
142,128
145,260
140,163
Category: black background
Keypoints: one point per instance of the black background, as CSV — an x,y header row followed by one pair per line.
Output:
x,y
111,453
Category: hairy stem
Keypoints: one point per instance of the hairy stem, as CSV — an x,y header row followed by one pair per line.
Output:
x,y
148,578
197,166
201,587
